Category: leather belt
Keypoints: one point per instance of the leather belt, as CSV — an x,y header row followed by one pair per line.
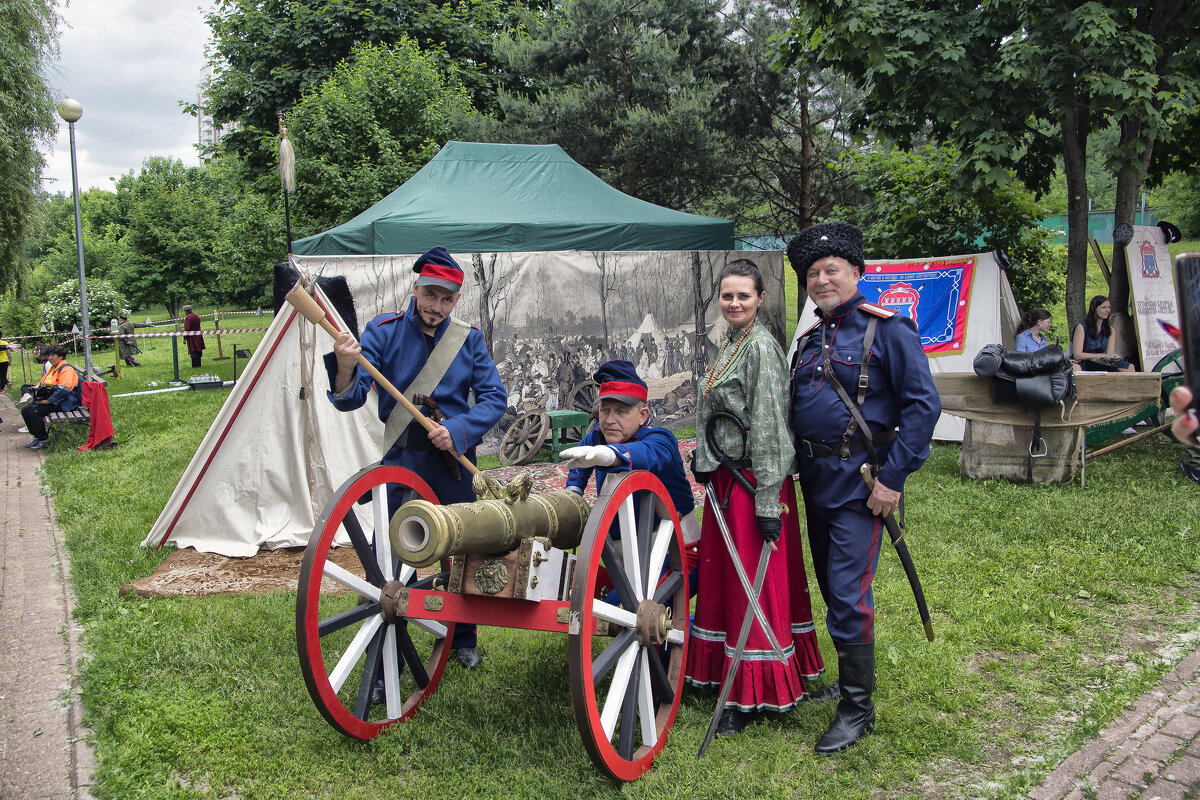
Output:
x,y
844,449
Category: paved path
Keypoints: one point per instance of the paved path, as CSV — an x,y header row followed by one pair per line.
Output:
x,y
1151,751
42,752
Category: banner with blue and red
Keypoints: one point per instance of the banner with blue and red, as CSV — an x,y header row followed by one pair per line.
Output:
x,y
936,295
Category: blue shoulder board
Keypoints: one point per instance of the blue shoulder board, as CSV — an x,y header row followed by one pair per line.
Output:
x,y
883,312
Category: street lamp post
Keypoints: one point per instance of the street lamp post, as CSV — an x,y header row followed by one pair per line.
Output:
x,y
70,110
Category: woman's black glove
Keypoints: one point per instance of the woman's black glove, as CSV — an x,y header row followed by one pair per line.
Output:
x,y
701,476
770,528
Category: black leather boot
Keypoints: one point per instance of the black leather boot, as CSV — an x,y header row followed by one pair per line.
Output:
x,y
855,712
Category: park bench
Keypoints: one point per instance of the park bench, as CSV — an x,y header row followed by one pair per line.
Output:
x,y
77,416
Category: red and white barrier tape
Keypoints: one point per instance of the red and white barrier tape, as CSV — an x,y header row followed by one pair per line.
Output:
x,y
179,333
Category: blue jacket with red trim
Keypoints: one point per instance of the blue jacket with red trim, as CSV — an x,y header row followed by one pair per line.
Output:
x,y
655,450
900,394
395,344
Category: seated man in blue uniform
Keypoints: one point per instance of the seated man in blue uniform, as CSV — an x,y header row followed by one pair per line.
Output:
x,y
423,350
861,392
622,442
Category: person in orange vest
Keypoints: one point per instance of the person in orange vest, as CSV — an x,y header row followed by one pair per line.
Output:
x,y
60,389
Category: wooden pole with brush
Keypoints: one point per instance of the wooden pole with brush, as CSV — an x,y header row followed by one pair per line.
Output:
x,y
303,302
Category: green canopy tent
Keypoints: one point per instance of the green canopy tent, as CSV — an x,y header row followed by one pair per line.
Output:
x,y
494,198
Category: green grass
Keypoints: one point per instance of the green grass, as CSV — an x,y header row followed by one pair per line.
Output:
x,y
1053,608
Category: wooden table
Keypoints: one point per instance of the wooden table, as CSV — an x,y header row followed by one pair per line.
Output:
x,y
997,439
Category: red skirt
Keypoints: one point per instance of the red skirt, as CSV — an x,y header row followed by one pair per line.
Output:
x,y
761,683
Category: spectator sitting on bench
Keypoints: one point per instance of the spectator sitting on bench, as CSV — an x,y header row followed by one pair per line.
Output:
x,y
66,394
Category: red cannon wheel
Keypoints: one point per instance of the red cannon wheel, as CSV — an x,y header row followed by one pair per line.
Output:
x,y
347,640
627,679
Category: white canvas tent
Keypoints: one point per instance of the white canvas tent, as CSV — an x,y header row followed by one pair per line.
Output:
x,y
276,452
992,318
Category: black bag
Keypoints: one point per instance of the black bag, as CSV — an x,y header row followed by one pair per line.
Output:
x,y
1042,378
42,393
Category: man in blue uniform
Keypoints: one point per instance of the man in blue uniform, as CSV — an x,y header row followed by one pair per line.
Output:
x,y
422,350
622,442
861,393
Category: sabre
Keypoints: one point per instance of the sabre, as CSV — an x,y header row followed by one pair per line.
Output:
x,y
753,609
735,662
711,493
910,570
303,302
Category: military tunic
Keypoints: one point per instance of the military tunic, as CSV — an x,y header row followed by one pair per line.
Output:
x,y
844,536
750,382
470,394
655,450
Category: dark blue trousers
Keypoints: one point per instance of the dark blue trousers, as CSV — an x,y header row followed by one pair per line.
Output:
x,y
844,543
431,466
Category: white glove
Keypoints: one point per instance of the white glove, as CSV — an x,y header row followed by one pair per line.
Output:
x,y
595,456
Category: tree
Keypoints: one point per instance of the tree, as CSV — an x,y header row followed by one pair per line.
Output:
x,y
174,223
368,128
653,96
61,310
27,41
1012,85
1177,200
786,180
267,53
912,211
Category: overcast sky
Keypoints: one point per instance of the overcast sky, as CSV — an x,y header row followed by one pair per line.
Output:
x,y
129,63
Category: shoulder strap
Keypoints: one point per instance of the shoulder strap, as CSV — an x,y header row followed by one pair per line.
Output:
x,y
856,418
429,377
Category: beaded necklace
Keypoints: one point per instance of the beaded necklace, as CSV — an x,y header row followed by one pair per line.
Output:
x,y
717,371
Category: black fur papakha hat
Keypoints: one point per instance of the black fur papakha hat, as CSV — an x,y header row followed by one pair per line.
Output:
x,y
826,239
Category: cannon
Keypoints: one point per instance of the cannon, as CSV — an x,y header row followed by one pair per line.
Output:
x,y
381,590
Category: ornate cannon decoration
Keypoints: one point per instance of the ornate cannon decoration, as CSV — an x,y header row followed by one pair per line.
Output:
x,y
610,577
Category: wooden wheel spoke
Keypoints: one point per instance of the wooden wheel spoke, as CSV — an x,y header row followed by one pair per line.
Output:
x,y
347,618
362,639
609,655
645,697
646,536
363,548
370,673
409,650
351,581
668,587
618,689
658,676
616,574
629,547
629,707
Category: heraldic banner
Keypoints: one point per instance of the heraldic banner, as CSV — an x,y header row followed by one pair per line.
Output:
x,y
936,295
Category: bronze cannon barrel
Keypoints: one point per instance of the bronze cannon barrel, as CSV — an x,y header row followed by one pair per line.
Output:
x,y
423,533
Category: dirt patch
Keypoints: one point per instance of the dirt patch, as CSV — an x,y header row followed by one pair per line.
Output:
x,y
189,572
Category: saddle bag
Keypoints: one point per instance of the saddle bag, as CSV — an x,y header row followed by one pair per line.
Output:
x,y
1040,379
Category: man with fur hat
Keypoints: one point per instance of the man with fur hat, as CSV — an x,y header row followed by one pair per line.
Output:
x,y
622,441
861,392
423,350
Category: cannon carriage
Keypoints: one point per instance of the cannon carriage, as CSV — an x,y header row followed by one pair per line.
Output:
x,y
383,607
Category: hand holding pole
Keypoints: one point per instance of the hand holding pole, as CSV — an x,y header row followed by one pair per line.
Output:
x,y
303,302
